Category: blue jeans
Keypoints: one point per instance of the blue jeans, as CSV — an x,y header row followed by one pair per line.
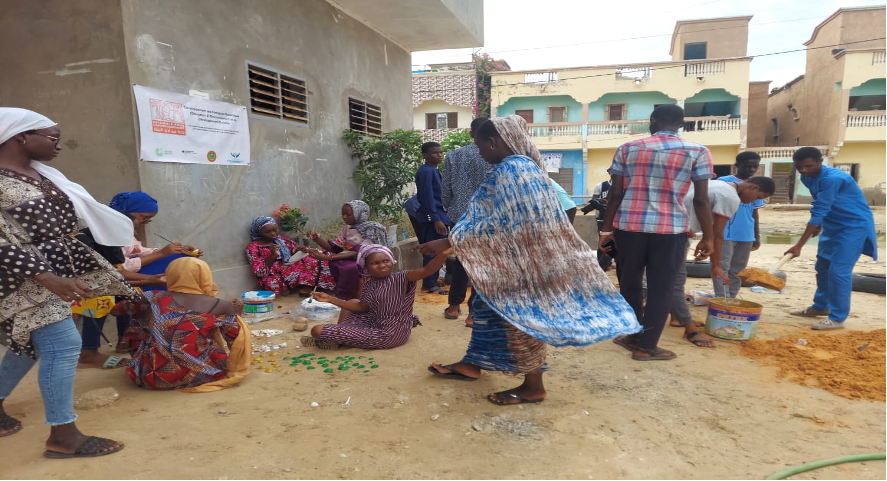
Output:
x,y
92,330
834,282
58,349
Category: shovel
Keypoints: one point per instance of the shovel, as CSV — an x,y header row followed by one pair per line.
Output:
x,y
767,279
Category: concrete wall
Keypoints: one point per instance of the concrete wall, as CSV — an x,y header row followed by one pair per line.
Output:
x,y
871,159
726,37
67,60
789,127
639,104
539,105
464,114
204,45
758,122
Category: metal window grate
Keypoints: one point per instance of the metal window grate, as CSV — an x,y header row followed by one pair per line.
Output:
x,y
364,117
278,96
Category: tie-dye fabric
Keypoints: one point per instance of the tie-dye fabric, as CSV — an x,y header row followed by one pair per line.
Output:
x,y
530,266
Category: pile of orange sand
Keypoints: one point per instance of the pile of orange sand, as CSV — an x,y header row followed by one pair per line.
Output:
x,y
836,362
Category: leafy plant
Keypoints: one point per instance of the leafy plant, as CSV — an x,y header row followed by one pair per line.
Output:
x,y
484,64
385,166
454,140
290,219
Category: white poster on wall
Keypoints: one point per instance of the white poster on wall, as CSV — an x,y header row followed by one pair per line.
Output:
x,y
552,162
176,127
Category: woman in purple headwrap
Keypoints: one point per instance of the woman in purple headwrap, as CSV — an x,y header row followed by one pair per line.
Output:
x,y
383,316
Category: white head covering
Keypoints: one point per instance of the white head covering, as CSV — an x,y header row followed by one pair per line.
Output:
x,y
108,226
14,121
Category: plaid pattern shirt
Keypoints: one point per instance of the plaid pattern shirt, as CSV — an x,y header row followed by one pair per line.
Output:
x,y
658,171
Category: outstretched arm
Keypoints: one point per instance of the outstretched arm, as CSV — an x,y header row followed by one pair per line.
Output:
x,y
430,268
350,305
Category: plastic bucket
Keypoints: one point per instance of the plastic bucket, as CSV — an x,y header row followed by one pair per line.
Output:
x,y
258,302
732,319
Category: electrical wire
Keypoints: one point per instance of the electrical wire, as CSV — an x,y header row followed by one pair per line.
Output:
x,y
679,65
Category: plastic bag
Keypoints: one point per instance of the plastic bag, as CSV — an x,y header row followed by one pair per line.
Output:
x,y
315,311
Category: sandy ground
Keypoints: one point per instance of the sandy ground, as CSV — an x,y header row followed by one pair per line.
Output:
x,y
711,413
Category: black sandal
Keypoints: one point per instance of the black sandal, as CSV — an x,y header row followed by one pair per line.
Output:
x,y
92,447
9,424
708,343
655,354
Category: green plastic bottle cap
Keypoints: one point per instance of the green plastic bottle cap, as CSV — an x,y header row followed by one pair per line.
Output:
x,y
374,366
367,371
361,357
327,370
310,367
361,366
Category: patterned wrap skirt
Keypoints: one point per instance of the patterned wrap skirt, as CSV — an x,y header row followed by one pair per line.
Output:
x,y
496,345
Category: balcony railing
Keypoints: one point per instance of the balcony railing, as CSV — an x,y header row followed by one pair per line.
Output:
x,y
879,56
872,118
700,124
436,135
619,127
560,129
705,69
782,152
540,77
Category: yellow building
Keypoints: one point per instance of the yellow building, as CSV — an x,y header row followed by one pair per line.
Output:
x,y
579,116
443,99
839,102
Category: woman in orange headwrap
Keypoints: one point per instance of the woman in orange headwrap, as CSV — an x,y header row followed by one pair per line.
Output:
x,y
182,338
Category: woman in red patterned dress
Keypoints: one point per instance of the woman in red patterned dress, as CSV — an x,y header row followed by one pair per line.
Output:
x,y
272,259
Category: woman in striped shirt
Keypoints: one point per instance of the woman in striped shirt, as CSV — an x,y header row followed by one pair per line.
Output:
x,y
383,316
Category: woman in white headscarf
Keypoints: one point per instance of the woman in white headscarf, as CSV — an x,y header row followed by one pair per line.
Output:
x,y
43,268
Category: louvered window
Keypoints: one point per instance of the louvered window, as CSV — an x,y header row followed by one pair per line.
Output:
x,y
272,94
364,117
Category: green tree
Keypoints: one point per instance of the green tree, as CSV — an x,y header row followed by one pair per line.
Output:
x,y
454,140
385,166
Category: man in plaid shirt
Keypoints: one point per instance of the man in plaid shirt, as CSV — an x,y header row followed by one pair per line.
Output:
x,y
647,223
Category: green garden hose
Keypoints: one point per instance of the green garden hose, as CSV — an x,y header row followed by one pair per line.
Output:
x,y
827,462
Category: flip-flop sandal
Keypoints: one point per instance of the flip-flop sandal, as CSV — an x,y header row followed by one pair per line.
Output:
x,y
623,341
448,316
452,374
708,343
654,354
113,362
511,395
9,424
308,341
90,448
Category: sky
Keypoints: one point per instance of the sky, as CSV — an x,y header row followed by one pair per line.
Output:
x,y
540,34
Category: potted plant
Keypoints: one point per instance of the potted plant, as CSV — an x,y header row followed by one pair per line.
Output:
x,y
290,219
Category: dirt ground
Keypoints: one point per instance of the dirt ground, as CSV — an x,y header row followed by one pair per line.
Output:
x,y
711,413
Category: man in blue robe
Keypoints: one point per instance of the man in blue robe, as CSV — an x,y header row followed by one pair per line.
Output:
x,y
846,228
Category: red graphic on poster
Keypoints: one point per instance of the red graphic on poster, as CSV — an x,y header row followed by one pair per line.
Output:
x,y
167,117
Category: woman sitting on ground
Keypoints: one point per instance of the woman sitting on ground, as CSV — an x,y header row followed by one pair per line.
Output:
x,y
383,316
142,208
181,338
358,231
275,263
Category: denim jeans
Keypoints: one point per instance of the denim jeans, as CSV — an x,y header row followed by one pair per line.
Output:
x,y
92,330
58,349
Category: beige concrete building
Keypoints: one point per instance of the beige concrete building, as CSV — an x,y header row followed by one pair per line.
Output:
x,y
76,62
444,97
839,101
578,116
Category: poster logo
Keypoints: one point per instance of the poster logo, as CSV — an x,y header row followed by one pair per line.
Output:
x,y
235,155
167,117
211,156
160,152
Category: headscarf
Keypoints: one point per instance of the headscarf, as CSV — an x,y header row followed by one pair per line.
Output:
x,y
14,121
514,131
134,202
108,227
368,250
373,232
255,233
190,275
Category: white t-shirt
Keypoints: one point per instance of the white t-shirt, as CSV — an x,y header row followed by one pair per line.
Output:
x,y
598,190
724,201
